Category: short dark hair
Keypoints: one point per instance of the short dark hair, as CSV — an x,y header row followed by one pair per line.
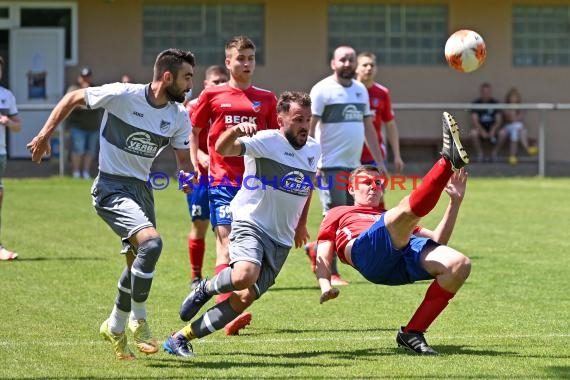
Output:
x,y
171,60
286,98
240,43
1,62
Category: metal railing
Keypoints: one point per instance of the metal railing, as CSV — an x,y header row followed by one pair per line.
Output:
x,y
542,108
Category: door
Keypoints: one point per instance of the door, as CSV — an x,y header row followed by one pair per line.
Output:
x,y
37,58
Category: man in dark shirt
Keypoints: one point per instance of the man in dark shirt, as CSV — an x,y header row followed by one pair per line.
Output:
x,y
486,122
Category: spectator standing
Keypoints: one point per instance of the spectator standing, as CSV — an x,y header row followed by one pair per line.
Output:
x,y
9,120
83,124
126,78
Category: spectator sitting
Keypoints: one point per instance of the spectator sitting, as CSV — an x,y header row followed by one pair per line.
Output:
x,y
486,122
513,128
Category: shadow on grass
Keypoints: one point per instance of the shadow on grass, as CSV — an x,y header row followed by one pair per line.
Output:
x,y
68,258
324,330
224,363
559,371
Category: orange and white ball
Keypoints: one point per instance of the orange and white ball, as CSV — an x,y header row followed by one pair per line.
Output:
x,y
465,51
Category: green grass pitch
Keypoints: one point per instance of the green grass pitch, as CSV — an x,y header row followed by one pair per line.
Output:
x,y
510,320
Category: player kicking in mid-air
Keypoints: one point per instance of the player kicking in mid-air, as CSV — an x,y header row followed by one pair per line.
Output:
x,y
389,248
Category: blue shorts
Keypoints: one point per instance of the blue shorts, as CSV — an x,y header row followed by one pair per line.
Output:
x,y
84,142
220,198
199,203
375,258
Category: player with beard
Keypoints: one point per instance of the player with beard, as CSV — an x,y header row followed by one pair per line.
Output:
x,y
269,216
140,120
218,109
341,123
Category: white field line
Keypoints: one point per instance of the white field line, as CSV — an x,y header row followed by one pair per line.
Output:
x,y
243,340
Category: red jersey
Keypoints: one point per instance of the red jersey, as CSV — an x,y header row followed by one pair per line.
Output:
x,y
202,137
344,223
381,107
221,107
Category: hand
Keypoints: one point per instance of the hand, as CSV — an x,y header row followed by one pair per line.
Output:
x,y
457,185
301,236
188,181
318,178
398,164
383,170
39,146
330,294
4,119
245,129
204,160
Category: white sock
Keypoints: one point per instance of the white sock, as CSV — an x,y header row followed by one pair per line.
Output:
x,y
118,320
138,310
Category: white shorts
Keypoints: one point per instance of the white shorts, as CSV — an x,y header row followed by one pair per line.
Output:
x,y
514,130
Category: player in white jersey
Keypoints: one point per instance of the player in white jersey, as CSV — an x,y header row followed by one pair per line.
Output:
x,y
9,119
341,123
269,216
139,121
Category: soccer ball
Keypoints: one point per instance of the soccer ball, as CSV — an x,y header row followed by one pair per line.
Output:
x,y
465,51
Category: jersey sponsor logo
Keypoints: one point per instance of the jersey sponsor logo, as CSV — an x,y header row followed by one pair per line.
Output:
x,y
290,154
236,119
164,125
225,105
351,113
186,142
139,114
295,182
141,144
256,105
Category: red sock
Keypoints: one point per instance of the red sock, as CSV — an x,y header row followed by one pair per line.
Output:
x,y
196,248
220,268
425,197
435,301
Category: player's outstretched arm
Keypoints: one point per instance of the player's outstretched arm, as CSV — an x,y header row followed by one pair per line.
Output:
x,y
456,191
40,144
325,251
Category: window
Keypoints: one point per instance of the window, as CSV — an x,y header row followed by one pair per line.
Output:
x,y
54,17
541,35
202,29
397,34
45,14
